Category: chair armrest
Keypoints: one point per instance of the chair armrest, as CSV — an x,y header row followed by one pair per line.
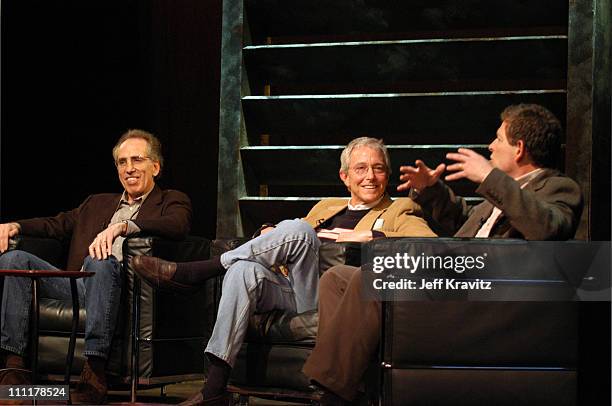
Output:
x,y
166,314
190,249
48,249
339,253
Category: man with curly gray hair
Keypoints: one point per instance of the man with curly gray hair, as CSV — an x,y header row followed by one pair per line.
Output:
x,y
96,230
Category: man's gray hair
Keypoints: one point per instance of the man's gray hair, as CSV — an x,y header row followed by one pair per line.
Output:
x,y
370,142
154,146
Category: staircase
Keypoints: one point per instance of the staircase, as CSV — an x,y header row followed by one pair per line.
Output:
x,y
301,78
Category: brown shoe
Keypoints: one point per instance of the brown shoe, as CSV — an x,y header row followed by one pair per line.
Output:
x,y
198,400
15,376
327,397
91,389
158,273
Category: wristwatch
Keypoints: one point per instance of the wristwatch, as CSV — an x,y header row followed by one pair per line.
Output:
x,y
126,226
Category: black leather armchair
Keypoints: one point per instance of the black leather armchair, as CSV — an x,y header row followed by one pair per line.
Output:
x,y
436,350
165,337
480,353
517,344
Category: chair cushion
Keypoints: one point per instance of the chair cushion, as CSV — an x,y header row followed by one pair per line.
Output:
x,y
522,334
56,317
334,253
277,365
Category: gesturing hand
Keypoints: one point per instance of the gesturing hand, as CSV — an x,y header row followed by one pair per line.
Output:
x,y
469,164
420,177
102,245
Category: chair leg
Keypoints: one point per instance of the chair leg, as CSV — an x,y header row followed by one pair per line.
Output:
x,y
243,400
135,337
34,331
162,391
73,333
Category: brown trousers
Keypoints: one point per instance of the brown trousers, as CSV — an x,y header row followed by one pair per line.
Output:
x,y
348,332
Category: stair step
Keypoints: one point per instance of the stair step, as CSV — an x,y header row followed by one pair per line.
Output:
x,y
261,201
287,20
462,187
431,118
408,65
257,211
306,167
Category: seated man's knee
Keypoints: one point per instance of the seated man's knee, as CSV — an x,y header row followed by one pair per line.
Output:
x,y
341,271
103,268
327,278
299,227
337,276
15,259
242,273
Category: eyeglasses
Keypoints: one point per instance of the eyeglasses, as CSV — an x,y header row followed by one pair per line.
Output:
x,y
136,161
363,169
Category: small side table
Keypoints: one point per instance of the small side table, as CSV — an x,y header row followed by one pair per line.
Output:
x,y
35,275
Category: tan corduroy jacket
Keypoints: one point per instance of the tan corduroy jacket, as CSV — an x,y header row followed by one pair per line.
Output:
x,y
399,218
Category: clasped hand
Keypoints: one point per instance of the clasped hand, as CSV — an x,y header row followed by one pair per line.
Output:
x,y
355,236
102,245
7,231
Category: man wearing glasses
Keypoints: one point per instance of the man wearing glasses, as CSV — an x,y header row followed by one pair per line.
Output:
x,y
96,229
280,268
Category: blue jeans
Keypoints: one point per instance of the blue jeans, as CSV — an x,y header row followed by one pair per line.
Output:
x,y
249,286
99,293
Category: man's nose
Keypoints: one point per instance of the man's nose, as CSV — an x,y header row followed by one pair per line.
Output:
x,y
490,147
370,173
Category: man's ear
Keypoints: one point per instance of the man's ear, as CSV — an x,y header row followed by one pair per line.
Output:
x,y
156,166
343,177
521,152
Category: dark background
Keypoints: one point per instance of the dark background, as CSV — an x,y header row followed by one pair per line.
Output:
x,y
77,74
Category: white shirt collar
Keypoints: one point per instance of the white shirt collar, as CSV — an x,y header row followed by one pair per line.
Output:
x,y
528,177
363,206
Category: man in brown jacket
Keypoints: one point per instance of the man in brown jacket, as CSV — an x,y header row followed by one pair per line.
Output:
x,y
523,199
96,230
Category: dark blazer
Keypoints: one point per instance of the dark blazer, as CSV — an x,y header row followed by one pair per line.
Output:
x,y
164,213
548,208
